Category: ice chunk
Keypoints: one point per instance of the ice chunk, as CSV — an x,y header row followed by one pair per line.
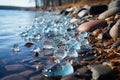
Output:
x,y
15,48
72,43
63,68
60,53
72,53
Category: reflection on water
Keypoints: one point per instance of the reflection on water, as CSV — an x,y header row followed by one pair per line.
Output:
x,y
11,24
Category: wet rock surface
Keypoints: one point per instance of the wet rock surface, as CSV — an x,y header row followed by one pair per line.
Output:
x,y
14,67
14,76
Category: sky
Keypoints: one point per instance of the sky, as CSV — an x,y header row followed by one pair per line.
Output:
x,y
23,3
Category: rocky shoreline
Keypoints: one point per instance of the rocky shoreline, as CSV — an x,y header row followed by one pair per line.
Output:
x,y
102,60
103,24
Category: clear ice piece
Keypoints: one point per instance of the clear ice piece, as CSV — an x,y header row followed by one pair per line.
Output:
x,y
72,43
37,36
85,43
72,53
63,68
36,49
48,45
16,48
50,31
83,34
23,34
60,53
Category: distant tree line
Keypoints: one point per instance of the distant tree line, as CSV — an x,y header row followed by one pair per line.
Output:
x,y
54,2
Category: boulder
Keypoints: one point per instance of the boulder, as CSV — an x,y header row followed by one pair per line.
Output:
x,y
114,3
115,30
109,13
101,72
83,12
97,9
92,25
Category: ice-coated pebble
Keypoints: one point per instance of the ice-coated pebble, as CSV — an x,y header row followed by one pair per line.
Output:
x,y
109,13
92,25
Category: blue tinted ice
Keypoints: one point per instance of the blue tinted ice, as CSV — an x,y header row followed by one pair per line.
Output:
x,y
55,32
60,53
72,53
48,44
63,68
73,44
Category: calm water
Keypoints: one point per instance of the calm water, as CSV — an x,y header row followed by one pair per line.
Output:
x,y
11,24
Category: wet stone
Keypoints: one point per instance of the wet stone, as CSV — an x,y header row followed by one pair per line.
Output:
x,y
104,36
14,67
74,20
92,25
37,77
83,13
83,72
84,69
28,44
109,13
14,77
4,62
26,73
114,3
97,9
99,72
115,30
70,77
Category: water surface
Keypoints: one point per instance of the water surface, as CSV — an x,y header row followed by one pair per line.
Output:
x,y
11,24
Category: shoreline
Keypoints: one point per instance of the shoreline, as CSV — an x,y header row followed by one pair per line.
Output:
x,y
104,49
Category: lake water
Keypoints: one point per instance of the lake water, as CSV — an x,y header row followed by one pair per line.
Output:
x,y
11,24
